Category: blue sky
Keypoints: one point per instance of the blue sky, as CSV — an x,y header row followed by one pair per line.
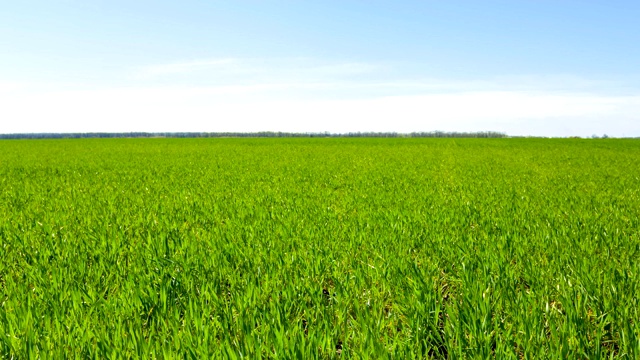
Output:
x,y
550,68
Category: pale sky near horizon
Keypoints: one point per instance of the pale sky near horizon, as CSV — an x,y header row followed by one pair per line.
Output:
x,y
524,67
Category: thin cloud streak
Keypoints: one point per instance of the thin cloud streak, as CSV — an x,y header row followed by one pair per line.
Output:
x,y
246,71
186,67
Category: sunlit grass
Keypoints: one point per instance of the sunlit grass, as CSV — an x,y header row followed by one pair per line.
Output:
x,y
320,248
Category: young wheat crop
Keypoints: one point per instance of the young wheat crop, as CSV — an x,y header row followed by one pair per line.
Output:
x,y
320,248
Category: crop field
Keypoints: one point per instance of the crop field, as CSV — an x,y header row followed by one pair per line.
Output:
x,y
320,248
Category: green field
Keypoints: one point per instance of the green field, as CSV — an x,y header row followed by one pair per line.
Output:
x,y
320,248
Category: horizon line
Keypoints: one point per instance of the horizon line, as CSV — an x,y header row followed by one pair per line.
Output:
x,y
285,134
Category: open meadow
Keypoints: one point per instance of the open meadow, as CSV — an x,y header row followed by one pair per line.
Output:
x,y
320,248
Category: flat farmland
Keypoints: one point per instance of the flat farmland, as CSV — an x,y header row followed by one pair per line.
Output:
x,y
320,248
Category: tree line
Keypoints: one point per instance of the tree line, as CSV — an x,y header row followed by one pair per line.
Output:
x,y
260,134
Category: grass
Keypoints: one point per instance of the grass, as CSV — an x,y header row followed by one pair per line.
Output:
x,y
320,248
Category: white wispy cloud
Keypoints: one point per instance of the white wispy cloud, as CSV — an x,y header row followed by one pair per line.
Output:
x,y
351,68
247,70
187,67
